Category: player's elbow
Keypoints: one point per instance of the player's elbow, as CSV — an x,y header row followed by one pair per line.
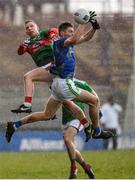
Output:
x,y
71,41
20,52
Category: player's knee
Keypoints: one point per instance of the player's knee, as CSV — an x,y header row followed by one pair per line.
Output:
x,y
26,77
97,101
94,102
48,115
29,76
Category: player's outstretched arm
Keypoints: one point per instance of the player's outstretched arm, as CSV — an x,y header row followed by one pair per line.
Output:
x,y
95,26
87,36
76,36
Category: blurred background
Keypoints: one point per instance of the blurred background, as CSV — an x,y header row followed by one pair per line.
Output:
x,y
106,62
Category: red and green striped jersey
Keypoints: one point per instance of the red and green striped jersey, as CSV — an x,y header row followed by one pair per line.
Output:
x,y
66,114
40,47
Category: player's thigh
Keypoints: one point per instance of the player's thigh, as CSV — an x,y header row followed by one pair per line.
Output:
x,y
70,133
71,105
75,109
86,97
52,106
39,74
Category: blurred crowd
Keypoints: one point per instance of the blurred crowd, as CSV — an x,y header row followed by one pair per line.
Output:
x,y
9,6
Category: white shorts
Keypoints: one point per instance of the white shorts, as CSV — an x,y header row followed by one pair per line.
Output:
x,y
76,124
64,89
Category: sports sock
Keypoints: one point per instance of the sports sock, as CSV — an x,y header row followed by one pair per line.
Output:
x,y
17,124
97,131
84,122
27,101
73,165
84,165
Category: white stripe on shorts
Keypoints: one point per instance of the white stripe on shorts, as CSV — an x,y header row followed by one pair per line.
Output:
x,y
76,124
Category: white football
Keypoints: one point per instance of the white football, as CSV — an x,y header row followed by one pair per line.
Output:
x,y
81,16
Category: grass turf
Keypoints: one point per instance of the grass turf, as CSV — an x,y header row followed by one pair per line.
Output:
x,y
55,165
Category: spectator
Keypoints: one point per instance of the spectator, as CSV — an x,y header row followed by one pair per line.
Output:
x,y
110,120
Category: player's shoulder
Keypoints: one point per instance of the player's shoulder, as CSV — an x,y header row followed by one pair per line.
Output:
x,y
53,29
59,41
44,32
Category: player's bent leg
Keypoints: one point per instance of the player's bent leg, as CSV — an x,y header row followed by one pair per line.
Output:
x,y
52,106
50,110
76,110
93,103
12,126
39,74
87,98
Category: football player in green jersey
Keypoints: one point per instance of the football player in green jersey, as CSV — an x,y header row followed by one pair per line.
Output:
x,y
71,127
39,46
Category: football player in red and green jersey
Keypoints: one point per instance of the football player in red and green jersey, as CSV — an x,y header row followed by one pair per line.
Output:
x,y
71,127
39,46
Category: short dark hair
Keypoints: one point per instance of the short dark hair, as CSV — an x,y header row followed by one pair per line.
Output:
x,y
63,26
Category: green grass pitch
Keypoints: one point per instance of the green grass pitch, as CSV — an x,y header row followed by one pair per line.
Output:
x,y
55,165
